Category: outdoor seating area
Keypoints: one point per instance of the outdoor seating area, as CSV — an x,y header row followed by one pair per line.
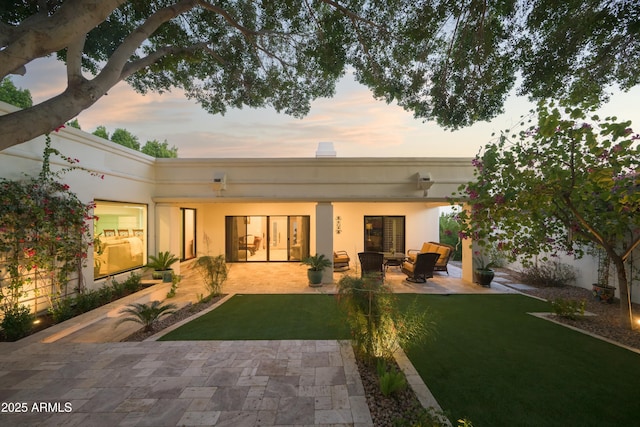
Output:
x,y
422,268
341,260
445,251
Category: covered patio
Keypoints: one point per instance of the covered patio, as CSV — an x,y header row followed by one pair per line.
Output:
x,y
274,278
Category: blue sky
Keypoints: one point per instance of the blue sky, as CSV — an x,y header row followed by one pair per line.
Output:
x,y
356,123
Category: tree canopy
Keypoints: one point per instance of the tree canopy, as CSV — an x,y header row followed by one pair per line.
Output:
x,y
159,149
568,182
10,94
444,60
125,138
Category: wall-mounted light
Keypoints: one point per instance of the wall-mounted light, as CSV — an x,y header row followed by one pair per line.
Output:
x,y
219,181
424,182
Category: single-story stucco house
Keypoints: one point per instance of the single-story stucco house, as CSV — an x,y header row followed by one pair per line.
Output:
x,y
250,209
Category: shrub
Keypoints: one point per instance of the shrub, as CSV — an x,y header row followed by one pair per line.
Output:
x,y
391,379
214,271
378,327
132,284
87,301
146,314
17,322
548,273
62,309
571,309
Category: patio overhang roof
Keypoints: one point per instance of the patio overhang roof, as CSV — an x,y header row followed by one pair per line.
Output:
x,y
401,180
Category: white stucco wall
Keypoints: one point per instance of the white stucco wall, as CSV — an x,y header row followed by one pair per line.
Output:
x,y
123,175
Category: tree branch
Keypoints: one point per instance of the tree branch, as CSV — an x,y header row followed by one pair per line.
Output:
x,y
40,35
74,61
134,66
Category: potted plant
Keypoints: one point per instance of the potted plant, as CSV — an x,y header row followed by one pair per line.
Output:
x,y
602,291
483,274
317,263
161,266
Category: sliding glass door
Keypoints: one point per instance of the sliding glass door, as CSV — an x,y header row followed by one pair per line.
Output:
x,y
266,238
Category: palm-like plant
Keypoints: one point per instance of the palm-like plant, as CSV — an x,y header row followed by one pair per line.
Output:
x,y
163,261
146,314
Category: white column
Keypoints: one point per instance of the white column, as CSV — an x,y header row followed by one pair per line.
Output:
x,y
324,236
168,225
468,247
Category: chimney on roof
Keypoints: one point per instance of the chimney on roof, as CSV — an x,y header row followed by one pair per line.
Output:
x,y
325,149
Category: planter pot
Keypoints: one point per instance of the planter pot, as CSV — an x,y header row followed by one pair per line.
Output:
x,y
483,277
603,293
165,275
315,277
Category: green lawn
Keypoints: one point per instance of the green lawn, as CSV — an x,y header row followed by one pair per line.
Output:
x,y
498,366
490,361
268,317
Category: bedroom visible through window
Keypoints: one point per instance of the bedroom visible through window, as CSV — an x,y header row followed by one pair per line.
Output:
x,y
120,237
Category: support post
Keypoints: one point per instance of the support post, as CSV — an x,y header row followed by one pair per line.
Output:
x,y
324,236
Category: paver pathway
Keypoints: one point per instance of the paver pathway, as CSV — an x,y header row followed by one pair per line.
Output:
x,y
222,383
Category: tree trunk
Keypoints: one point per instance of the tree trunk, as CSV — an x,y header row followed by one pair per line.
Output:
x,y
626,317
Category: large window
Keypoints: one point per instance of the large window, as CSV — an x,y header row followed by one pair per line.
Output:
x,y
267,238
120,237
384,233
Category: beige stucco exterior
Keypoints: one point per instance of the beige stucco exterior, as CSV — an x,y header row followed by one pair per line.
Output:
x,y
322,188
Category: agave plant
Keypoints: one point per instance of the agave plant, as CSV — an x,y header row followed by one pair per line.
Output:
x,y
146,314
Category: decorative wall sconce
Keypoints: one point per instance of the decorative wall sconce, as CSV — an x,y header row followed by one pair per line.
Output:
x,y
424,183
338,225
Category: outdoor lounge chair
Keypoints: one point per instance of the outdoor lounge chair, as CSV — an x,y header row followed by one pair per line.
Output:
x,y
341,260
422,269
372,263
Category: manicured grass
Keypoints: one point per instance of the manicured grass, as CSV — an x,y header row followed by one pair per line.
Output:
x,y
268,317
498,366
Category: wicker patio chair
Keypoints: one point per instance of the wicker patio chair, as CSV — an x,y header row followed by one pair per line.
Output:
x,y
372,263
422,269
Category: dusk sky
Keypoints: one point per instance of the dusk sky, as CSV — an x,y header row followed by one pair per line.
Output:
x,y
356,123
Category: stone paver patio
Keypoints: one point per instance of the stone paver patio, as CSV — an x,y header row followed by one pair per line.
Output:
x,y
222,383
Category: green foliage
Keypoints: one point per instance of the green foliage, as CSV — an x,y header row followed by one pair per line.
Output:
x,y
213,270
564,183
17,322
378,327
447,61
87,301
44,232
159,150
146,314
450,234
175,279
548,273
74,124
126,138
571,309
62,309
392,380
10,94
162,261
101,131
317,262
